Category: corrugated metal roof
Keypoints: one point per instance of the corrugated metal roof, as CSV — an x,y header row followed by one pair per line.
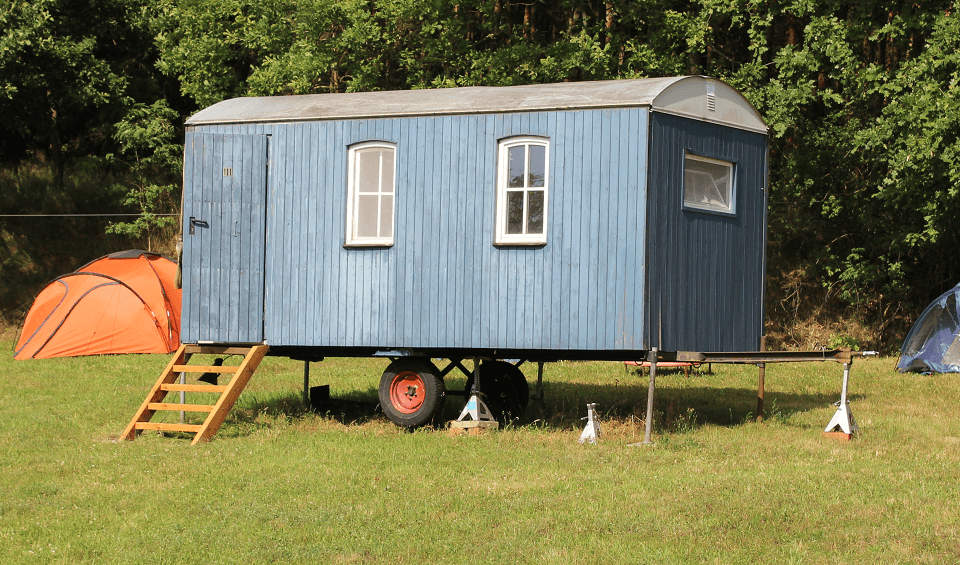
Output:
x,y
696,97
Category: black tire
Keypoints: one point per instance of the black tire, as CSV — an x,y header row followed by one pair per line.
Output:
x,y
411,392
505,389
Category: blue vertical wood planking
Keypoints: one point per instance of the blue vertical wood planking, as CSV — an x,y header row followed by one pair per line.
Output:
x,y
706,270
625,266
223,274
443,283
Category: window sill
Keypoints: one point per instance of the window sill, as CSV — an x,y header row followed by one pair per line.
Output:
x,y
725,213
519,243
367,244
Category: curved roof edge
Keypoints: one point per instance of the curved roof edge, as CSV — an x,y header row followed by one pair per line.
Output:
x,y
697,97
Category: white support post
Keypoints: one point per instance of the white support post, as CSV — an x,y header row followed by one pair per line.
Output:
x,y
843,418
476,413
592,430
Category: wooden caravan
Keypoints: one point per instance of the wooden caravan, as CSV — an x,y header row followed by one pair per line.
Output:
x,y
589,220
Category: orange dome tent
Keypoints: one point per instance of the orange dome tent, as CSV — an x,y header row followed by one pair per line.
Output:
x,y
125,302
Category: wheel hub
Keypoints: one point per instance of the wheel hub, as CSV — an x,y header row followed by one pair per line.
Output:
x,y
405,392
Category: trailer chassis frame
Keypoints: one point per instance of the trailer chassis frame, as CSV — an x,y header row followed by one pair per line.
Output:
x,y
842,420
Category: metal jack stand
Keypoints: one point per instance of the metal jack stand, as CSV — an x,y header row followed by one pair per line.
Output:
x,y
475,414
843,418
592,430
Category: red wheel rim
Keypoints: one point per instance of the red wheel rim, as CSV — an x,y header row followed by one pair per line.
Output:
x,y
406,392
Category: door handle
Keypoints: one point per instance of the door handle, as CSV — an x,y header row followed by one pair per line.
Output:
x,y
195,222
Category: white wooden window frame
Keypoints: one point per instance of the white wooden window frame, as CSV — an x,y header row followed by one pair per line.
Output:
x,y
730,188
502,237
353,239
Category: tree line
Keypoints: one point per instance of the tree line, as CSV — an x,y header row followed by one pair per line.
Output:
x,y
861,98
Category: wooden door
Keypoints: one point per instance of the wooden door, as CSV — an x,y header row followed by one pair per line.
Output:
x,y
224,211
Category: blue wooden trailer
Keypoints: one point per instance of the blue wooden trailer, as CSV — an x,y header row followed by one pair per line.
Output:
x,y
589,220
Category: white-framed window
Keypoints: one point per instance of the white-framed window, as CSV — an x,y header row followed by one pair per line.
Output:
x,y
708,184
371,193
522,190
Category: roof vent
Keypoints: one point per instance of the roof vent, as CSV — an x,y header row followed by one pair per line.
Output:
x,y
711,97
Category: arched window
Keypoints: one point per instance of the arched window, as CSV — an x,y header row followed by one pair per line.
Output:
x,y
522,190
371,193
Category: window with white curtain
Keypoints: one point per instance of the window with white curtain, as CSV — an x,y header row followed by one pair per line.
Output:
x,y
371,194
522,191
708,184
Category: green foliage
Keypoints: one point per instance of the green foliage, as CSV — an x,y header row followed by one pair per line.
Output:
x,y
147,139
823,75
67,71
838,341
34,250
284,47
198,42
915,142
861,99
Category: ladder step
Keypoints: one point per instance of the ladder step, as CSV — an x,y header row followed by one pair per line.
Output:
x,y
193,388
216,350
203,369
217,412
174,407
192,428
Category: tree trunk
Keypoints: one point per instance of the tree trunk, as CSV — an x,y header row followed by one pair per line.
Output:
x,y
608,22
57,158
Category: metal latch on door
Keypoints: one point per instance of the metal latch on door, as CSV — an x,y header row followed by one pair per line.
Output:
x,y
195,222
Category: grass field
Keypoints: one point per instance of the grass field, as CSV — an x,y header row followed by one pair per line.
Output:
x,y
281,484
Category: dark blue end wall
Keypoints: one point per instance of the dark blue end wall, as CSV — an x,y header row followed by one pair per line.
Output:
x,y
705,271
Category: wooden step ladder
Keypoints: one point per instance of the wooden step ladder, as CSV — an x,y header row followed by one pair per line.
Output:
x,y
217,412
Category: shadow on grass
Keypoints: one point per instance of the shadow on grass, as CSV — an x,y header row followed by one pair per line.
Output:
x,y
290,406
677,409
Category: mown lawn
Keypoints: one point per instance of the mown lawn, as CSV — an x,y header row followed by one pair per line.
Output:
x,y
281,484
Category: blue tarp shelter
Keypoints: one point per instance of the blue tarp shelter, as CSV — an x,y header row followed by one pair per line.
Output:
x,y
933,344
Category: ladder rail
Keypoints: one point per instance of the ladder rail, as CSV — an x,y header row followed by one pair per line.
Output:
x,y
156,393
217,412
230,396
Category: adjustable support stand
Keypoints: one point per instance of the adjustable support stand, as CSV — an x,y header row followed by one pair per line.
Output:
x,y
843,418
475,414
592,430
476,411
